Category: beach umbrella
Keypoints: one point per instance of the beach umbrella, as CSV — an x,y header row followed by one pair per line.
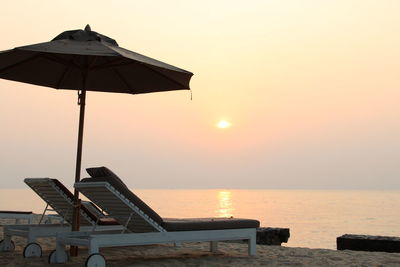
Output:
x,y
85,60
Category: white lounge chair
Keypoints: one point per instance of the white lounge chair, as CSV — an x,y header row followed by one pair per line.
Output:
x,y
144,226
60,199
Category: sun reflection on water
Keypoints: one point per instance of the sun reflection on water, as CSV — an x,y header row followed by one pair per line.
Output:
x,y
225,207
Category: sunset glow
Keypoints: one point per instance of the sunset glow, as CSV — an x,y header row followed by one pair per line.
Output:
x,y
300,90
223,124
225,207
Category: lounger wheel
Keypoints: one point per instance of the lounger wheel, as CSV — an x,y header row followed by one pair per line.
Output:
x,y
95,260
62,259
32,250
7,247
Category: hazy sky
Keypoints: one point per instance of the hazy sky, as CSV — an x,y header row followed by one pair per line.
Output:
x,y
311,88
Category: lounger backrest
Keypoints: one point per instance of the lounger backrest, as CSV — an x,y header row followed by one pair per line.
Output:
x,y
103,174
60,199
121,204
98,172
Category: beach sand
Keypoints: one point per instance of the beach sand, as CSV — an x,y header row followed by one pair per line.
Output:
x,y
197,254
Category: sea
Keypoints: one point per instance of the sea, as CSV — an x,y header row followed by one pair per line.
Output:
x,y
315,217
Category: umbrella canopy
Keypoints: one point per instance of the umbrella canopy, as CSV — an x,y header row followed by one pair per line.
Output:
x,y
85,60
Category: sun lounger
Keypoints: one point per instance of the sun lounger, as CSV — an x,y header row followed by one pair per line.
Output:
x,y
143,225
60,200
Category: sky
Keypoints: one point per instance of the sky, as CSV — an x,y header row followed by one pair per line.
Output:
x,y
310,88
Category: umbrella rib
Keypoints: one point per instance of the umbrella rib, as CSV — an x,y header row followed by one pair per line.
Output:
x,y
67,68
131,90
92,63
163,75
143,64
109,64
61,61
20,62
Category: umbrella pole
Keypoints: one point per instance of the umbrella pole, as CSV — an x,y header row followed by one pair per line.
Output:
x,y
75,215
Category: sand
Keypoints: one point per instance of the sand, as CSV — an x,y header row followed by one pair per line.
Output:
x,y
197,254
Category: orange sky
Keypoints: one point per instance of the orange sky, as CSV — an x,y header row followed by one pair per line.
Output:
x,y
311,89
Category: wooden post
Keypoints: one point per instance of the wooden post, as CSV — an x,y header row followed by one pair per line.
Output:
x,y
75,214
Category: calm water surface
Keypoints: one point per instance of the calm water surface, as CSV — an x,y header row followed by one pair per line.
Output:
x,y
315,217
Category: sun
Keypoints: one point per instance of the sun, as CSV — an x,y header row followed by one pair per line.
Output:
x,y
222,124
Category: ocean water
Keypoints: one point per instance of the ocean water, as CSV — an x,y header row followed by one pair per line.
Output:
x,y
315,217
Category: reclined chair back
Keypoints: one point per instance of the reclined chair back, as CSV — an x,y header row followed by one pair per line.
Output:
x,y
60,199
120,203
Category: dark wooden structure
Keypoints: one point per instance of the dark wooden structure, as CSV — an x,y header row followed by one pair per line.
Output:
x,y
368,243
272,236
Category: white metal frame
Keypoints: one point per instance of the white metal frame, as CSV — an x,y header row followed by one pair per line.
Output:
x,y
32,232
17,216
106,196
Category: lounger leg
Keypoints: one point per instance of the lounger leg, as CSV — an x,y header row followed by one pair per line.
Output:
x,y
31,236
60,253
93,248
252,245
213,246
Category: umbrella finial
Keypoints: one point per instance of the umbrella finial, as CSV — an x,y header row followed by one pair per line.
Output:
x,y
87,28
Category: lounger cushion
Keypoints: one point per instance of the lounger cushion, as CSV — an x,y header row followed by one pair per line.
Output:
x,y
172,224
95,172
116,183
107,221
